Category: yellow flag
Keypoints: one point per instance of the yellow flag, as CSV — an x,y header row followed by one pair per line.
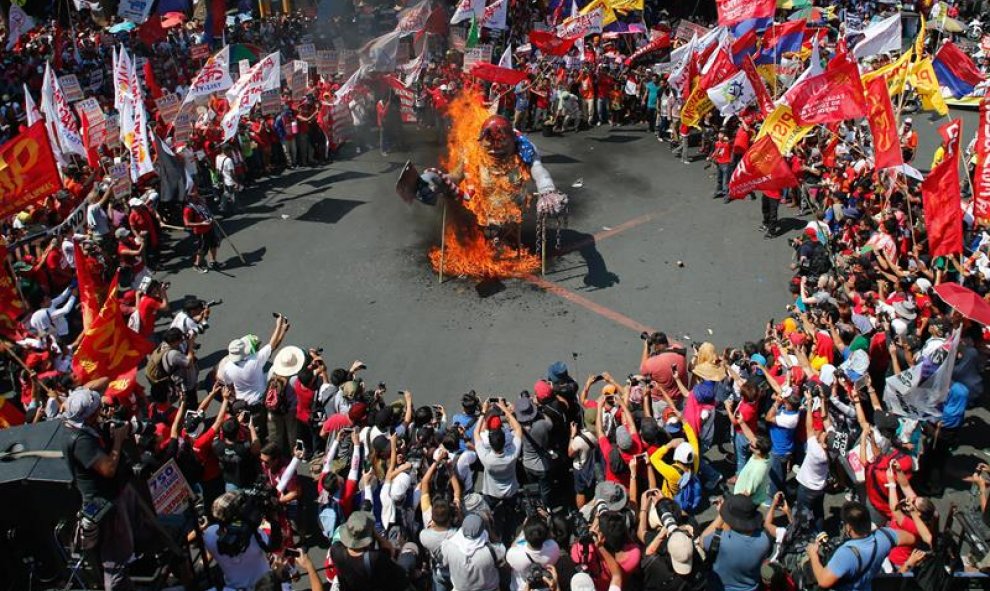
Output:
x,y
625,5
783,129
608,15
919,43
895,74
923,79
696,107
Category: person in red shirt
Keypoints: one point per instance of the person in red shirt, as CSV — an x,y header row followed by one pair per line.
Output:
x,y
142,223
149,305
746,411
603,89
620,452
722,157
587,92
202,438
197,217
130,253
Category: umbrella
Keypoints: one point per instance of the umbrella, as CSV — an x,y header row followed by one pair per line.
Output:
x,y
173,19
946,25
122,27
965,301
793,4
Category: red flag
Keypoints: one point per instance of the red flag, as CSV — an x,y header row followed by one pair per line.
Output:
x,y
151,31
886,145
10,414
108,346
689,79
661,42
731,12
28,172
763,98
762,168
90,290
951,133
92,156
11,305
943,212
150,82
436,23
744,45
834,95
551,44
720,69
981,177
497,74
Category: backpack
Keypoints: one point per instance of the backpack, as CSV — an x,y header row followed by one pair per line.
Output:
x,y
688,494
276,400
155,370
819,262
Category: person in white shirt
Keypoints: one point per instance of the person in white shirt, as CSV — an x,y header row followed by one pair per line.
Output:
x,y
50,318
193,319
225,168
813,473
533,548
245,369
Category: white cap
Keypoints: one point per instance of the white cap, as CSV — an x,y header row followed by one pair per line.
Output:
x,y
684,453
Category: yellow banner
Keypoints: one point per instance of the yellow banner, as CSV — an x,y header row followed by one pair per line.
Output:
x,y
625,5
783,129
922,78
696,107
919,43
896,74
608,15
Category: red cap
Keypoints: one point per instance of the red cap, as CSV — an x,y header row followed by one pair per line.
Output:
x,y
494,423
543,390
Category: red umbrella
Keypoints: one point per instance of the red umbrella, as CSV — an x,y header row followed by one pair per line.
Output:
x,y
965,301
173,19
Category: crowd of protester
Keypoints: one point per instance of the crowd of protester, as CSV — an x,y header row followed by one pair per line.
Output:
x,y
704,469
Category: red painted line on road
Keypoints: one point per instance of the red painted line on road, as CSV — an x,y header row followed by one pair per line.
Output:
x,y
587,304
598,237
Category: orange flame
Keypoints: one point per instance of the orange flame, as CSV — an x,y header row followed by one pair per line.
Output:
x,y
493,186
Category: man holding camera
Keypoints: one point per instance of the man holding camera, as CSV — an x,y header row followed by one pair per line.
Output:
x,y
240,548
109,515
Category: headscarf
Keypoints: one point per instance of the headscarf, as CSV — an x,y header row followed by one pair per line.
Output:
x,y
81,404
824,347
471,537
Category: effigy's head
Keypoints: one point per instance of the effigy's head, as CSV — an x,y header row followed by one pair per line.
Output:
x,y
497,137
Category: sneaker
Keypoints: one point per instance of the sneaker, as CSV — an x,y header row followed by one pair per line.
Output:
x,y
762,228
214,265
202,270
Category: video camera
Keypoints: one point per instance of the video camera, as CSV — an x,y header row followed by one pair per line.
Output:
x,y
244,516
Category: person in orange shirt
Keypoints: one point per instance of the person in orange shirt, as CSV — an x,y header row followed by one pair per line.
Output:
x,y
722,157
587,92
909,140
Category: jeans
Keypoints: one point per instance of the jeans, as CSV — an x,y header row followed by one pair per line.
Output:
x,y
722,175
651,118
742,451
778,472
684,148
769,206
811,500
663,126
602,106
289,147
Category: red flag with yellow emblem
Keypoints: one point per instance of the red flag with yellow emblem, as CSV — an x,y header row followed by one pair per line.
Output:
x,y
11,305
89,287
108,346
886,146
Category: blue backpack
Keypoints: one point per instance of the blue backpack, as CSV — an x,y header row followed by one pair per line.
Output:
x,y
689,492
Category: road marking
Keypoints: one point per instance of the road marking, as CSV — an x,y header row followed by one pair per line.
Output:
x,y
587,304
595,238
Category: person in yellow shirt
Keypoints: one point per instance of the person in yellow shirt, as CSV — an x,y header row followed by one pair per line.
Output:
x,y
684,443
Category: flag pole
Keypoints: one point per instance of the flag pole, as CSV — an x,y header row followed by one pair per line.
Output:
x,y
443,239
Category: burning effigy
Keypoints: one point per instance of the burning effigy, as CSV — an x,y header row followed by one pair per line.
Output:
x,y
484,176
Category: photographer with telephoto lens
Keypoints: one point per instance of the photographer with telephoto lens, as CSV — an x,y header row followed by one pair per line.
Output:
x,y
237,542
671,562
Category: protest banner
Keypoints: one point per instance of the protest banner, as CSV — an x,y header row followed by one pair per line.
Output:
x,y
135,11
121,184
326,62
200,51
270,102
71,88
306,52
168,106
480,54
170,493
90,107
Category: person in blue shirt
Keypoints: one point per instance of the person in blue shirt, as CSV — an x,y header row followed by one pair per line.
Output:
x,y
651,91
855,563
469,416
782,419
736,545
943,437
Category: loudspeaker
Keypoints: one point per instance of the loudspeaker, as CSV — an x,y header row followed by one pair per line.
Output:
x,y
36,489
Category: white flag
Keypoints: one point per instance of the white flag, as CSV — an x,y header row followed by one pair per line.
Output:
x,y
466,8
494,15
412,69
378,55
19,23
31,109
58,112
506,60
907,395
246,92
733,95
87,4
678,74
214,77
677,56
140,146
814,68
123,88
880,37
413,19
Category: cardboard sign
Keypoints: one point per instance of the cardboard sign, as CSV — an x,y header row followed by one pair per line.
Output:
x,y
170,493
90,107
121,175
182,127
168,106
326,62
113,130
686,29
95,79
135,11
481,54
348,63
98,135
299,79
71,88
270,102
306,52
200,51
